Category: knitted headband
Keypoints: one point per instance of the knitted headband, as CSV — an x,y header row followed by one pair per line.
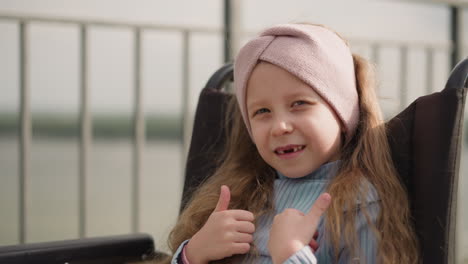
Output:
x,y
315,55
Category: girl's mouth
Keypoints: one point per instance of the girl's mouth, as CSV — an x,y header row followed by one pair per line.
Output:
x,y
289,149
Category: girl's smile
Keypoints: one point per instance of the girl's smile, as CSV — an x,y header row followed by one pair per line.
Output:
x,y
289,151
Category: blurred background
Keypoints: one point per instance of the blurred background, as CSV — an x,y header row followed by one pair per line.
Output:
x,y
108,89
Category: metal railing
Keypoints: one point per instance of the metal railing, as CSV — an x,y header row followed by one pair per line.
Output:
x,y
404,48
85,117
85,122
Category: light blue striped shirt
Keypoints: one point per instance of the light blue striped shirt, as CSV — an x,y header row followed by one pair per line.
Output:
x,y
300,194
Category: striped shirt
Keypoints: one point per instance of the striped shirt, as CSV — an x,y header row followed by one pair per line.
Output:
x,y
301,193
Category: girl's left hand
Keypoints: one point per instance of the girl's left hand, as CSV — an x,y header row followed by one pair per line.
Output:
x,y
292,230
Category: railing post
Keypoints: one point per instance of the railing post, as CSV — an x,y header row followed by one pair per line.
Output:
x,y
85,130
138,132
429,70
185,92
227,31
403,76
374,56
455,32
25,130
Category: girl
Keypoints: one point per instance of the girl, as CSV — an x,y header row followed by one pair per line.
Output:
x,y
305,122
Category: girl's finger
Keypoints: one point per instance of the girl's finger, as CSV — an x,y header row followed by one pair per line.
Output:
x,y
239,248
243,238
224,198
241,215
314,245
316,234
318,208
245,227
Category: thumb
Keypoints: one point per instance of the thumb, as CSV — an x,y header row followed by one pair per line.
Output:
x,y
318,208
224,198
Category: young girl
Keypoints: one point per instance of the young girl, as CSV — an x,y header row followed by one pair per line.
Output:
x,y
306,123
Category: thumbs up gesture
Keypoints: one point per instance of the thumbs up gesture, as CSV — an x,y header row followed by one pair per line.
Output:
x,y
225,233
292,229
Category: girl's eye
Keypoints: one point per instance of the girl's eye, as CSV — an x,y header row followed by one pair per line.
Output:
x,y
261,111
300,102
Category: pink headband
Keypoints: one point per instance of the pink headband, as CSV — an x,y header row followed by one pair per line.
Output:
x,y
315,55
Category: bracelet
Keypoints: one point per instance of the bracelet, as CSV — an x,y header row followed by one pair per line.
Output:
x,y
184,256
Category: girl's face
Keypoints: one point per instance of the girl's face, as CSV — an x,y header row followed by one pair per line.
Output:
x,y
294,129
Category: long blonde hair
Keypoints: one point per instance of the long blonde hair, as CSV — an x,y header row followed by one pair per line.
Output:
x,y
365,158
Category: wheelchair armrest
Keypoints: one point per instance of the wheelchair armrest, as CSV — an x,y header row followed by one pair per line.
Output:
x,y
110,249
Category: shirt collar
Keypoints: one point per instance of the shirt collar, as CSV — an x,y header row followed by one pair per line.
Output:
x,y
324,172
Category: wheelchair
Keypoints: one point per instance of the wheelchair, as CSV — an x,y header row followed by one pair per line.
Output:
x,y
425,141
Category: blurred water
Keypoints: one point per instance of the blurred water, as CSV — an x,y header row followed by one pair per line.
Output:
x,y
53,205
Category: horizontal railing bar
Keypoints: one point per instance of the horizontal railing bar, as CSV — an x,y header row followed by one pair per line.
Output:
x,y
440,45
107,23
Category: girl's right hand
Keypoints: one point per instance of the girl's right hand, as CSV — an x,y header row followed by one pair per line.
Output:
x,y
225,233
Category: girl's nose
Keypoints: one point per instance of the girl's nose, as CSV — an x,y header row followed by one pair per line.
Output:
x,y
281,127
